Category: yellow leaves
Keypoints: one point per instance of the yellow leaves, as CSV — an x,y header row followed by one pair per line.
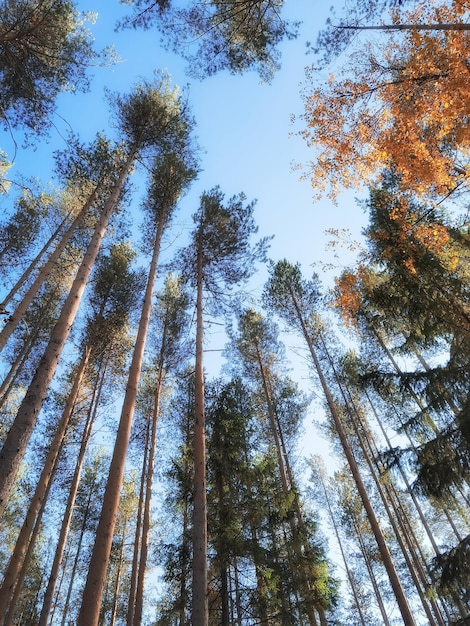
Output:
x,y
406,106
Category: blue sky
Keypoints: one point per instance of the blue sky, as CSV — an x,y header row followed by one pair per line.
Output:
x,y
243,126
249,144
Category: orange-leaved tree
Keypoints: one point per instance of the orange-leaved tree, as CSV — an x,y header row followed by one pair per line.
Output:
x,y
403,102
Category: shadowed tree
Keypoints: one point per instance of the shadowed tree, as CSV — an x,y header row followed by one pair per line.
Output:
x,y
219,257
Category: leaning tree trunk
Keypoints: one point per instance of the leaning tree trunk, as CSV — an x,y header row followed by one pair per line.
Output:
x,y
18,437
378,534
352,584
45,271
67,517
50,465
96,579
138,532
29,270
139,598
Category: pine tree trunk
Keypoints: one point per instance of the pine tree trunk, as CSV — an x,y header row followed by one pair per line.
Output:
x,y
118,577
45,271
372,577
382,545
92,594
26,348
139,599
199,607
85,520
27,273
21,358
341,549
47,474
67,517
272,421
18,437
138,531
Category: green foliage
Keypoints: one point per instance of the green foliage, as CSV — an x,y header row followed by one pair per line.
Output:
x,y
234,35
171,175
44,49
153,118
223,232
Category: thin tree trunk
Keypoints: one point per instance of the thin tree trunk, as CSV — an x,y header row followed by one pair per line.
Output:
x,y
47,474
272,422
138,531
18,437
372,577
24,353
25,564
382,545
118,577
457,26
16,367
341,549
139,599
67,517
199,607
92,594
77,557
46,270
27,273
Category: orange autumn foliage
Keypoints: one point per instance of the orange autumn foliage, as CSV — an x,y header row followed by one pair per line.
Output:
x,y
348,294
402,243
404,105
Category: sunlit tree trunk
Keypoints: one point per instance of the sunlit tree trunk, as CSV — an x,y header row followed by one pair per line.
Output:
x,y
45,479
91,600
383,548
138,530
18,437
47,268
139,601
32,266
67,516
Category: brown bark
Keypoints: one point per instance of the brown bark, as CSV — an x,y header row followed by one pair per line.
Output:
x,y
29,270
67,517
92,595
50,465
44,273
139,599
18,437
380,539
138,532
341,549
199,607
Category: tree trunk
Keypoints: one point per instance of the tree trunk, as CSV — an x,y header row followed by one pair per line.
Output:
x,y
42,487
67,517
65,610
27,273
341,549
138,532
18,437
199,607
92,594
45,271
382,545
139,599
